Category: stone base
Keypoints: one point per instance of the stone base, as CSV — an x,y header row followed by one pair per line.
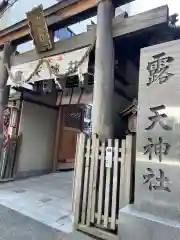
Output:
x,y
136,225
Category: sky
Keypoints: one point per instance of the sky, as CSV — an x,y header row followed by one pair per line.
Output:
x,y
18,12
135,7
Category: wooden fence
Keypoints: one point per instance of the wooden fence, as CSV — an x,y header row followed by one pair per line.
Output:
x,y
8,159
102,185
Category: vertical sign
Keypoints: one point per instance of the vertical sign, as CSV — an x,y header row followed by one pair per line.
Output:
x,y
157,187
109,157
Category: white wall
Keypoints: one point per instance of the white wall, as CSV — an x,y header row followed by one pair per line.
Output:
x,y
38,126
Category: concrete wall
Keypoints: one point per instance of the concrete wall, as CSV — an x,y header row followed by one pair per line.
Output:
x,y
38,126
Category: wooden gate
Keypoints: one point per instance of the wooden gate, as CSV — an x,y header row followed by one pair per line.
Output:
x,y
102,185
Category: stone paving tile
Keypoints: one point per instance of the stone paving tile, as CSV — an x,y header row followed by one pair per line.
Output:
x,y
10,204
15,226
47,199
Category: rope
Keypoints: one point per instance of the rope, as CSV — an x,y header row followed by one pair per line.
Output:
x,y
51,71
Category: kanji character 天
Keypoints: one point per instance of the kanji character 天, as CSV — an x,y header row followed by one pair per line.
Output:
x,y
158,118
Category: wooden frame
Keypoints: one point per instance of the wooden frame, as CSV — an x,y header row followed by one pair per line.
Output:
x,y
121,27
62,13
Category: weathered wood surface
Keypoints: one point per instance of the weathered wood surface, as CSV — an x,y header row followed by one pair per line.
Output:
x,y
86,181
107,191
78,181
121,27
94,184
55,15
91,177
101,182
99,191
126,170
96,232
62,13
115,185
8,159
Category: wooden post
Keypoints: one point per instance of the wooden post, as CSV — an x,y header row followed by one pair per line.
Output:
x,y
127,171
56,145
104,72
4,90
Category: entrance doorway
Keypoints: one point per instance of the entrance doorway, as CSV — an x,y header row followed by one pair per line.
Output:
x,y
74,119
71,125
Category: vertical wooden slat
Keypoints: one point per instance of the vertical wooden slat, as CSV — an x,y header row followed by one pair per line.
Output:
x,y
115,181
86,179
91,173
128,170
122,173
126,173
107,191
94,185
79,177
101,183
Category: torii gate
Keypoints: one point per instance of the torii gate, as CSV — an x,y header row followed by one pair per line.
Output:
x,y
107,29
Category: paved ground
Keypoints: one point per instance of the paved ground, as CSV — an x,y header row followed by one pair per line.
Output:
x,y
47,199
15,226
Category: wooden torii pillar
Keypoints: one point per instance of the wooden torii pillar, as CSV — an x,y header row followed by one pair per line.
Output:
x,y
104,71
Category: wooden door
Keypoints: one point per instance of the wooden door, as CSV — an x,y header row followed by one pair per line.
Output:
x,y
71,125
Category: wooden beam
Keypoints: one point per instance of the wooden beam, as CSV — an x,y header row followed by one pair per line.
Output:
x,y
59,15
121,27
55,14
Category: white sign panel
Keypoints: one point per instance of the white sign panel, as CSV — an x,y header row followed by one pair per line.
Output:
x,y
109,157
59,64
157,185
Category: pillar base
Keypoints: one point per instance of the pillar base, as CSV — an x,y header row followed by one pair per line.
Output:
x,y
136,225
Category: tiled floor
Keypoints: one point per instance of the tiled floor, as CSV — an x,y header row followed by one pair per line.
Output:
x,y
47,199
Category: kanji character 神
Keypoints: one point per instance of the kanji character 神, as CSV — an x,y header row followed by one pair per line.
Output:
x,y
160,148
